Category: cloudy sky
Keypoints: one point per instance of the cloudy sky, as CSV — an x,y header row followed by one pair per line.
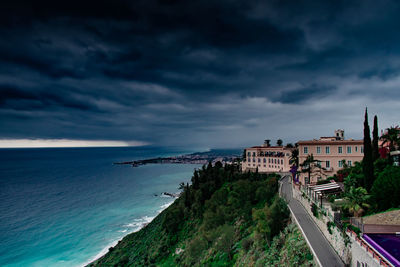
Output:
x,y
224,73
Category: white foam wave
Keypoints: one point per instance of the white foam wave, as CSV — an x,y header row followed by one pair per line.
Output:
x,y
134,226
166,205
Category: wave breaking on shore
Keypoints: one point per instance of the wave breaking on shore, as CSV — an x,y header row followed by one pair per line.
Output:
x,y
129,228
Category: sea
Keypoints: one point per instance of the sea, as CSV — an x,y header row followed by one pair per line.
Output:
x,y
67,206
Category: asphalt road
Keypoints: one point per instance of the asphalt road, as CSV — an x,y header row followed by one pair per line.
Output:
x,y
325,253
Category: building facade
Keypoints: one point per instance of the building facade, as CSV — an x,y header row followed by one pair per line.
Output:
x,y
331,154
267,159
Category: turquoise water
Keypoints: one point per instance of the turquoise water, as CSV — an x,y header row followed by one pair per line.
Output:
x,y
65,207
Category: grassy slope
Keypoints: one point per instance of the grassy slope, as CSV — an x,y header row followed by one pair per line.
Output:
x,y
236,221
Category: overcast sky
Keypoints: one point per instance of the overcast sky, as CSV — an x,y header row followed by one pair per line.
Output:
x,y
197,73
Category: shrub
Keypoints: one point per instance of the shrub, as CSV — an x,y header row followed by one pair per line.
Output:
x,y
314,210
354,229
330,225
247,243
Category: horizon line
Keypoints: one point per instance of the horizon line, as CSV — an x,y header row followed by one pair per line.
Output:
x,y
64,143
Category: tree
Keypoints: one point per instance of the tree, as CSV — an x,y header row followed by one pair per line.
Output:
x,y
356,201
310,165
386,188
289,145
294,158
368,167
195,180
391,137
267,142
375,138
279,142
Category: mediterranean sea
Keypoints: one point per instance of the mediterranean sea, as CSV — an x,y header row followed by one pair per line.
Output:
x,y
67,206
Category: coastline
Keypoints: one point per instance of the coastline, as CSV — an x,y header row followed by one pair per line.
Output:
x,y
143,224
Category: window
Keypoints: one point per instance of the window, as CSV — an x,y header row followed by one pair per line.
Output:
x,y
265,160
349,150
319,164
362,150
356,148
254,160
248,160
340,150
340,164
328,164
327,150
275,161
254,154
281,161
248,154
259,160
318,150
349,163
305,150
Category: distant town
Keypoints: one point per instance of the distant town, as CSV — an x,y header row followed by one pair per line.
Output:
x,y
213,156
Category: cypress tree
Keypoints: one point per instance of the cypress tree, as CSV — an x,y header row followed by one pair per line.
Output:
x,y
368,168
375,138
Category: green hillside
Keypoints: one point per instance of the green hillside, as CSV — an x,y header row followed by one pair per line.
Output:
x,y
225,218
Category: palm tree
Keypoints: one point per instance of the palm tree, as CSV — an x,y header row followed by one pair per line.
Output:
x,y
294,158
392,137
356,201
311,166
308,166
289,145
279,142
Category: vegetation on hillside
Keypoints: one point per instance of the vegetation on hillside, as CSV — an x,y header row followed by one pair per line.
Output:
x,y
224,218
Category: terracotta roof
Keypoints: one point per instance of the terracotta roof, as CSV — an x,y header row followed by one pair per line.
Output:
x,y
268,147
336,142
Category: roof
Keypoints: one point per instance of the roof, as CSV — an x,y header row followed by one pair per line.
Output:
x,y
324,187
330,142
387,218
270,147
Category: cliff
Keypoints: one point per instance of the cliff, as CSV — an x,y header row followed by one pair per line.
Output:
x,y
225,218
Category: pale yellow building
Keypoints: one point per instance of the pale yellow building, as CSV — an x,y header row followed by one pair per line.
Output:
x,y
267,159
330,153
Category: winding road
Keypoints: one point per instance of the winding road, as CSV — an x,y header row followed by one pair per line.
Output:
x,y
326,256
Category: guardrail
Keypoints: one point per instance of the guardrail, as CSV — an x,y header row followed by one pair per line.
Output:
x,y
374,253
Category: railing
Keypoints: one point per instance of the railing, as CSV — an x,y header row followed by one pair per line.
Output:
x,y
357,222
375,254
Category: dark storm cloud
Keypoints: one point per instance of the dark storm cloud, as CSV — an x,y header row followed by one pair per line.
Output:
x,y
207,73
301,95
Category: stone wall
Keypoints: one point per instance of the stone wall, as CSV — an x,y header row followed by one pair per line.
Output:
x,y
336,238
